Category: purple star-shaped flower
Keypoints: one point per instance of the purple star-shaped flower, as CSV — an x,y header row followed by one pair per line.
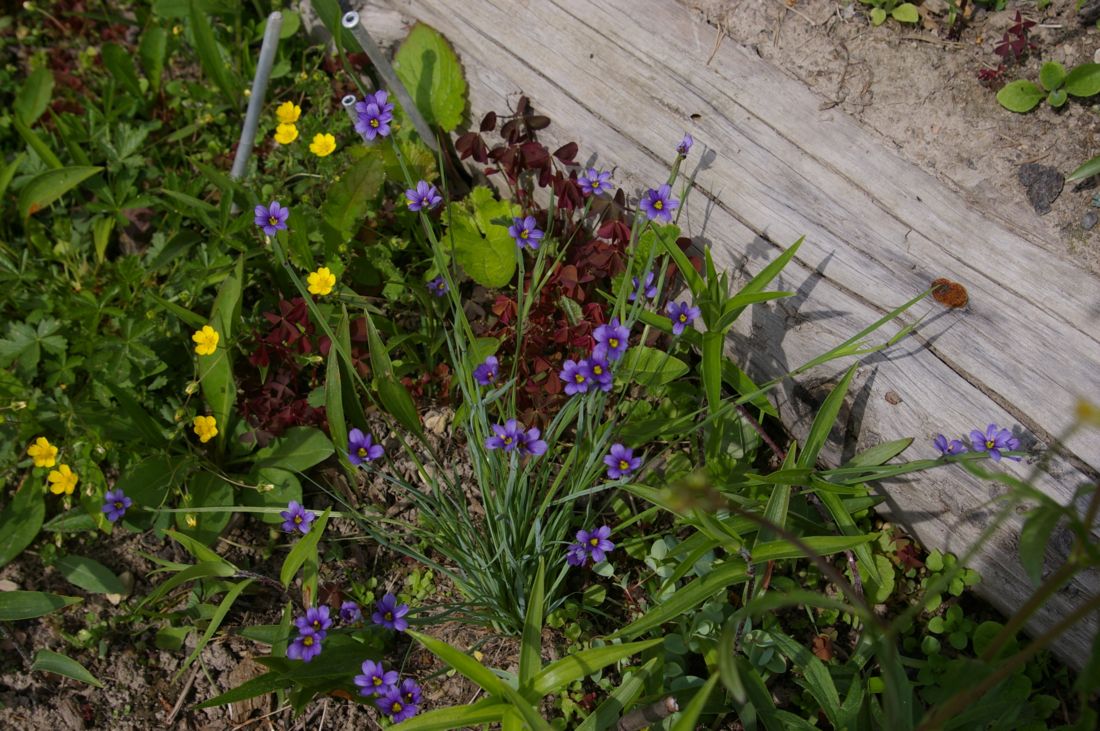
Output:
x,y
531,444
375,679
438,286
506,436
621,461
486,373
410,692
594,545
659,204
115,504
374,119
393,704
948,448
305,647
576,554
296,517
379,98
575,376
600,371
993,441
685,145
316,620
526,232
390,614
361,448
611,340
423,197
594,182
272,218
648,289
681,315
350,612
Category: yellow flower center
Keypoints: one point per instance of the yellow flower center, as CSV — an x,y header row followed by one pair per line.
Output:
x,y
374,123
613,342
578,378
524,233
683,318
598,370
396,707
507,440
389,616
362,451
273,221
377,680
307,641
297,520
118,505
594,541
623,464
659,205
990,444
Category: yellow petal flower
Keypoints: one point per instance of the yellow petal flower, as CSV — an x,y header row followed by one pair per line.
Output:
x,y
206,340
43,453
321,281
322,145
286,133
288,113
206,428
62,480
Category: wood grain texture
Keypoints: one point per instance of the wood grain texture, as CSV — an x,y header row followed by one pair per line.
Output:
x,y
626,79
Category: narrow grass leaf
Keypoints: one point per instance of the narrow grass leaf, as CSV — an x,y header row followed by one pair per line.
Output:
x,y
814,673
489,710
303,549
689,716
215,622
687,598
211,55
613,707
89,575
261,685
16,605
530,649
560,673
46,187
47,661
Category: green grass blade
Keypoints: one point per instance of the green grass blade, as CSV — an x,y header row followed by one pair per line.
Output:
x,y
16,605
824,421
303,549
211,56
612,708
560,673
689,716
467,716
54,662
530,650
687,598
814,674
215,622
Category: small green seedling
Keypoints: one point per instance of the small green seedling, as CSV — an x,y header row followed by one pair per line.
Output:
x,y
901,12
1057,86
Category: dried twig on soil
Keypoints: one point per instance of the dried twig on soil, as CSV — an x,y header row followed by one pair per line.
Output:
x,y
182,697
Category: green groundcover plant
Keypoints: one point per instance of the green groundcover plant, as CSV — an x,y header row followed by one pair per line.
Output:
x,y
602,443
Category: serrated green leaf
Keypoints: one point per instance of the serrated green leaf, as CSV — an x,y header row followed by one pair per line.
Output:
x,y
428,67
17,605
350,198
44,188
46,661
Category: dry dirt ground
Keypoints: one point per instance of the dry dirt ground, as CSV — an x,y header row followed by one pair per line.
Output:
x,y
920,92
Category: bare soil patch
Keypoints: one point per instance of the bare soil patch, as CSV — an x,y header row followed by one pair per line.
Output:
x,y
919,90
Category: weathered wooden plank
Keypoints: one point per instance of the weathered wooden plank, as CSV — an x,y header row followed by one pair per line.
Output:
x,y
624,78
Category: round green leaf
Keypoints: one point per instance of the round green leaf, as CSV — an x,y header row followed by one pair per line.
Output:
x,y
1052,75
430,70
1020,96
905,13
1057,98
1084,80
878,16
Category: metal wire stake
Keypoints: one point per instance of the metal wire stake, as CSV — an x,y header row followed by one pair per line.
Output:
x,y
259,89
354,23
348,103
